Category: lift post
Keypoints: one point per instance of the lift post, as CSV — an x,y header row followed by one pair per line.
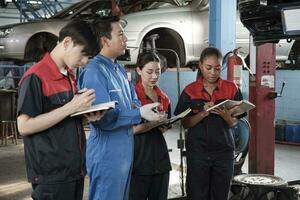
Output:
x,y
262,141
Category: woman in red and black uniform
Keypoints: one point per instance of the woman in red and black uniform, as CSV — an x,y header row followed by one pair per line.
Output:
x,y
151,166
209,139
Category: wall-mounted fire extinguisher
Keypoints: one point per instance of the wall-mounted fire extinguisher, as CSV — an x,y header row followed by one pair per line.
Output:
x,y
234,67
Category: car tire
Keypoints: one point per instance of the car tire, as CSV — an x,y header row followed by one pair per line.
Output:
x,y
38,45
168,39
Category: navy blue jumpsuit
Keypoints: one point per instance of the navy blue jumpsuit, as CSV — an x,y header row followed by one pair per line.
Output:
x,y
210,143
151,166
55,157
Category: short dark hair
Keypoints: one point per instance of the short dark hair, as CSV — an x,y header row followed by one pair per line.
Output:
x,y
103,27
145,58
210,51
82,33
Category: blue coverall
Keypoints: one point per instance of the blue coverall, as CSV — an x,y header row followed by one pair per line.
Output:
x,y
110,144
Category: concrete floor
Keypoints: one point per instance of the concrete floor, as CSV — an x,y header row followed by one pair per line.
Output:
x,y
13,184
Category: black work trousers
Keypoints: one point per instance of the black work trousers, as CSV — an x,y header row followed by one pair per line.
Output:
x,y
208,179
59,191
149,187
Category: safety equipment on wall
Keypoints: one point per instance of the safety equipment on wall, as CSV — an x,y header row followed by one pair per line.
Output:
x,y
148,113
235,63
235,67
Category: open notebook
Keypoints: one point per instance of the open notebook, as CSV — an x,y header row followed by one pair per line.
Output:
x,y
97,107
242,106
179,116
174,118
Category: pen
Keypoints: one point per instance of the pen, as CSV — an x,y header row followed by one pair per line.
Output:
x,y
155,110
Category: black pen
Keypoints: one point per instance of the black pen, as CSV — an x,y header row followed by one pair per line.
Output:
x,y
155,110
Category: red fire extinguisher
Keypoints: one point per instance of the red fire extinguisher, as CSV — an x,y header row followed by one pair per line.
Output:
x,y
234,67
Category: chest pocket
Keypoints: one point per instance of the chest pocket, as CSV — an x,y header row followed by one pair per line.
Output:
x,y
197,105
57,100
116,94
116,89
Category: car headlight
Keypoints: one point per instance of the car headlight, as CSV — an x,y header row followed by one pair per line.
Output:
x,y
4,32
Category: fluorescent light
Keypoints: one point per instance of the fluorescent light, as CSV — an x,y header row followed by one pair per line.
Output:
x,y
290,21
263,2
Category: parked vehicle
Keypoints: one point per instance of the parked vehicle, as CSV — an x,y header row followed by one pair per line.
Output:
x,y
26,42
180,25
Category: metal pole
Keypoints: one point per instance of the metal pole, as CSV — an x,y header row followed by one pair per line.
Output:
x,y
21,11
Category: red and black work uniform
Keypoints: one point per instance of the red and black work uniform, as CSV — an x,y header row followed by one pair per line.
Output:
x,y
55,156
151,165
210,143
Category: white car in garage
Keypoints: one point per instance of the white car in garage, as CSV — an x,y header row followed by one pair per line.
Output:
x,y
181,26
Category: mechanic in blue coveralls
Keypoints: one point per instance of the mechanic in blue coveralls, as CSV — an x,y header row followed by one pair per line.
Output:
x,y
110,144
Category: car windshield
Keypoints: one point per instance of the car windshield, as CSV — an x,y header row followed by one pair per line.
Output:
x,y
94,9
68,11
151,2
182,2
89,9
135,6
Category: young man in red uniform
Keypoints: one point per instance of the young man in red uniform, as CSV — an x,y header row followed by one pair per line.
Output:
x,y
54,142
209,140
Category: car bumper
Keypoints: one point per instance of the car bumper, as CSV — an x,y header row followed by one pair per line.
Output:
x,y
10,49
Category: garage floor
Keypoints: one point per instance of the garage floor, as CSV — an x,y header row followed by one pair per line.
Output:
x,y
13,184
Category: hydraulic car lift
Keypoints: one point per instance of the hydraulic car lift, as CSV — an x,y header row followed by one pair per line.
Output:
x,y
262,142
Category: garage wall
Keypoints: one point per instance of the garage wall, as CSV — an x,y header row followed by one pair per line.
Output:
x,y
168,83
288,106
